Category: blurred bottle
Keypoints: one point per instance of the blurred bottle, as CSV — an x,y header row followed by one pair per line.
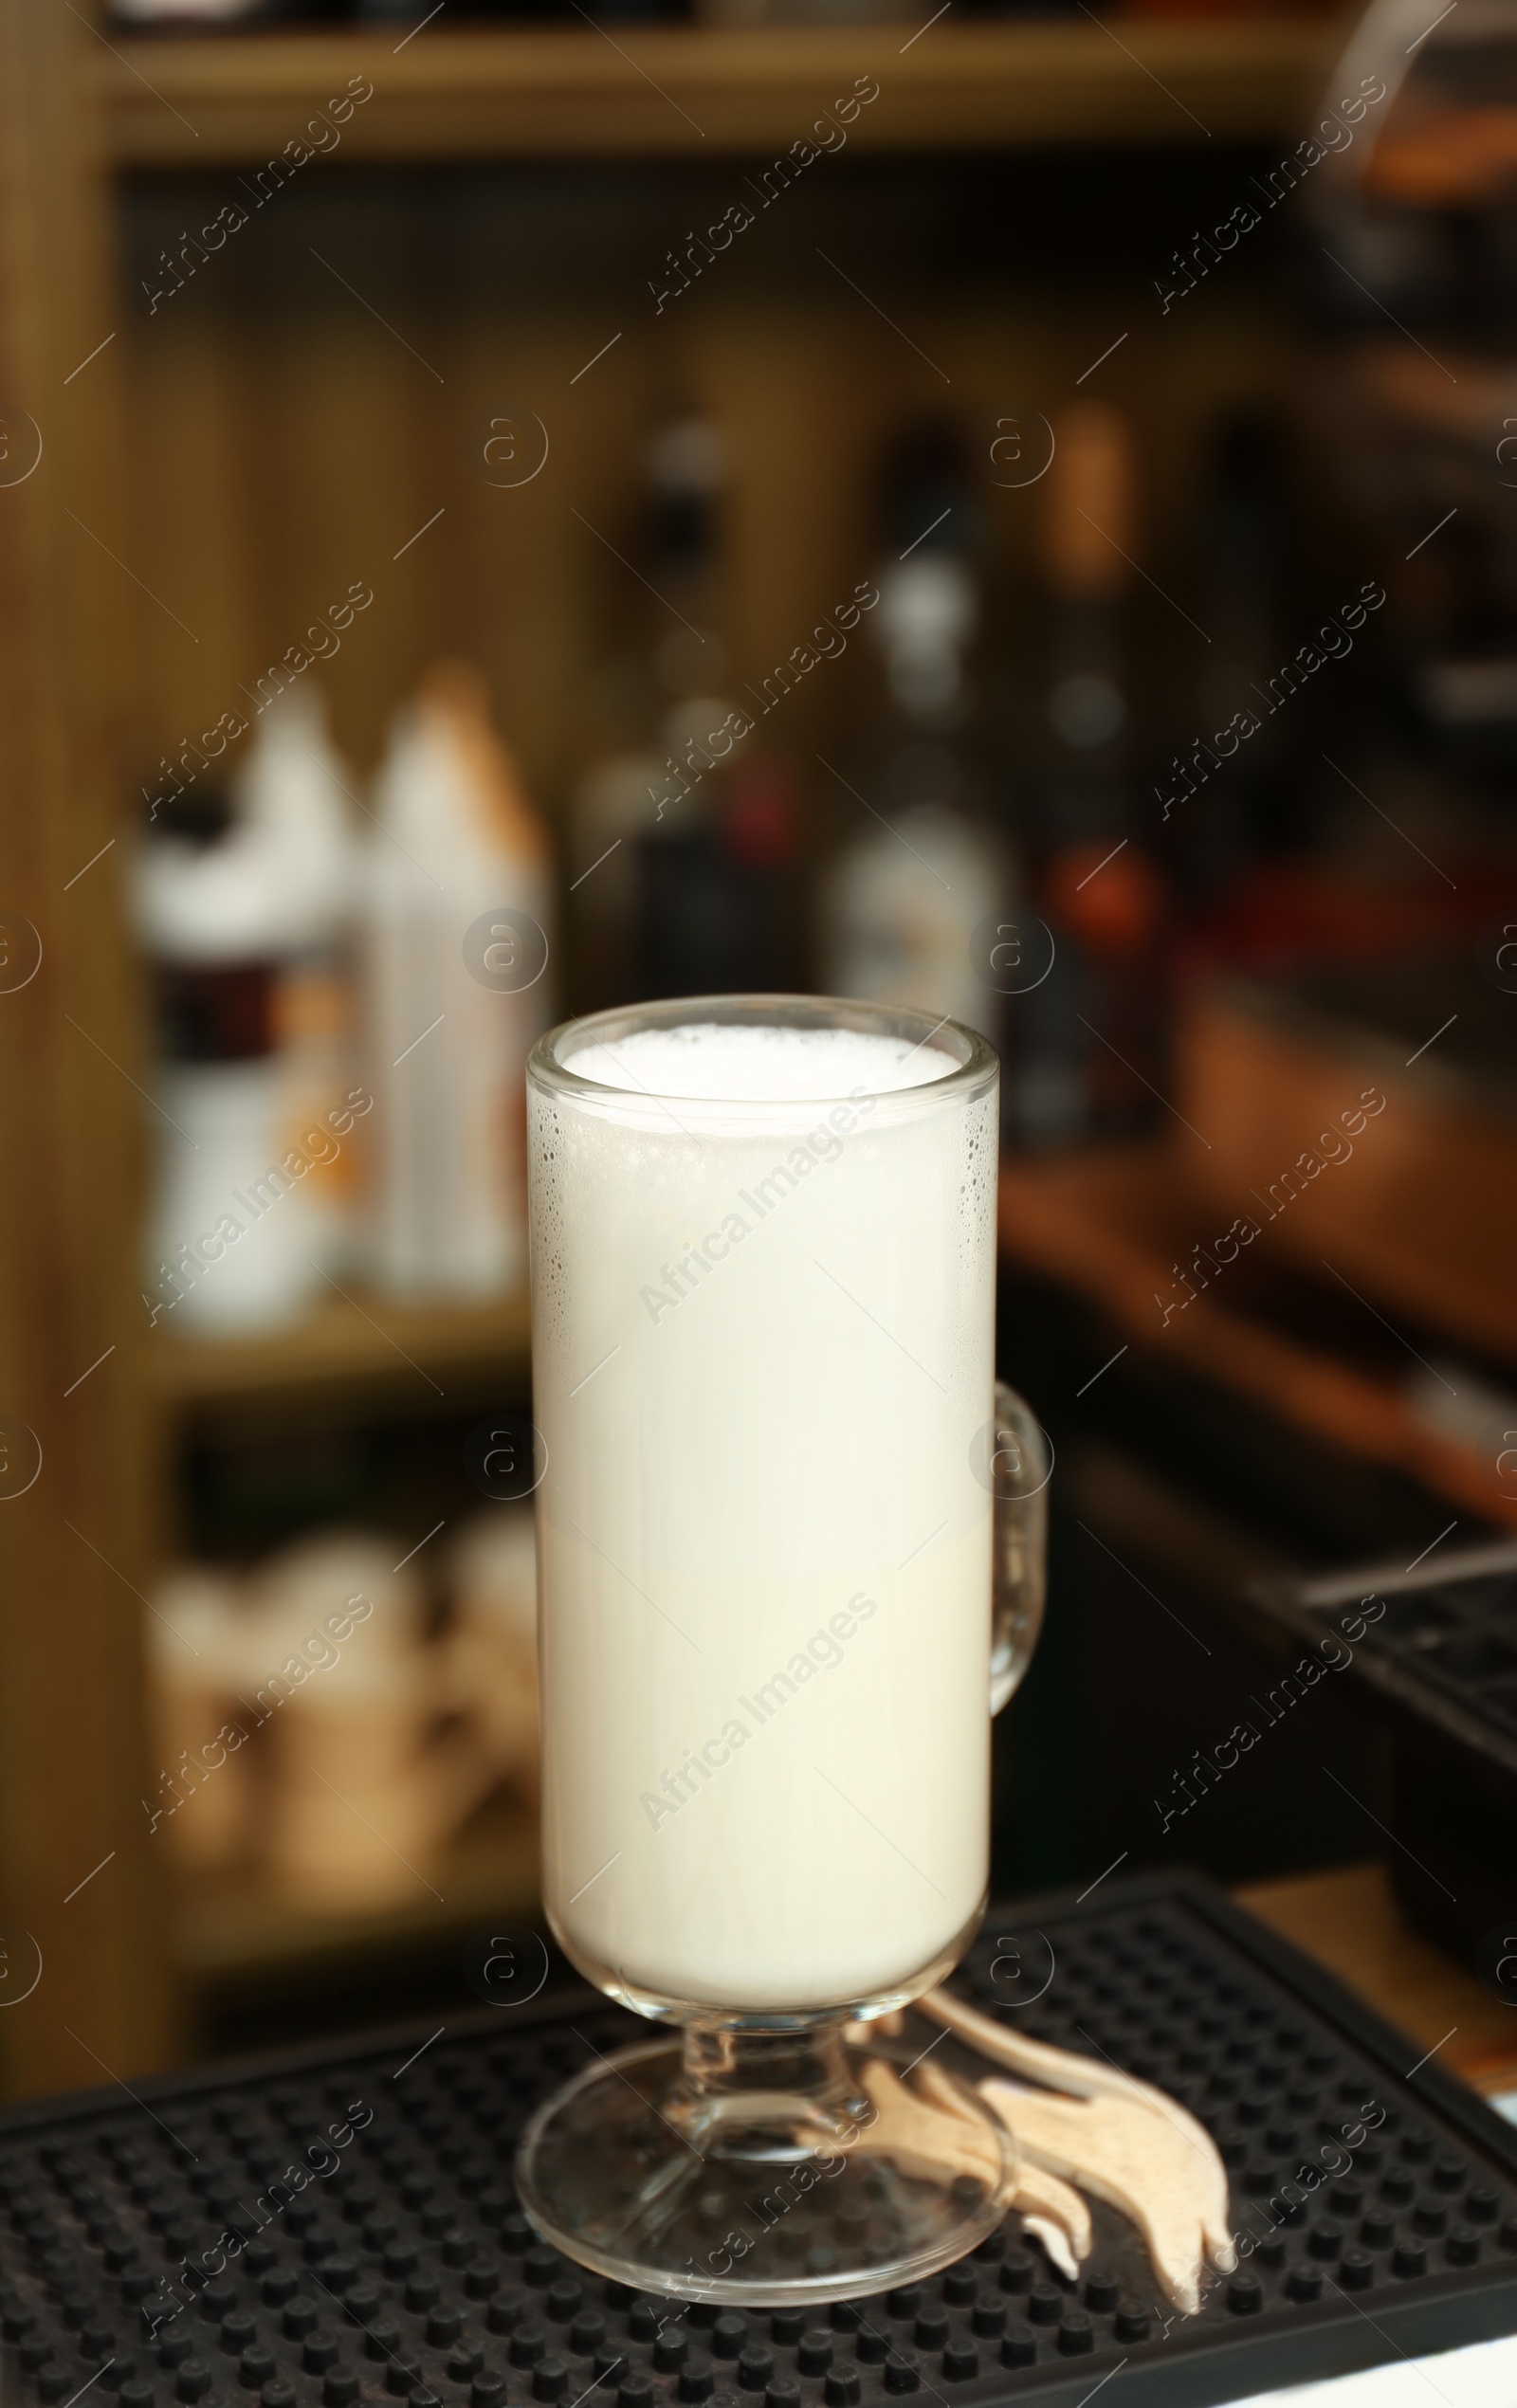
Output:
x,y
293,789
663,653
743,13
206,15
681,838
407,13
901,901
1088,1035
241,902
448,1027
1246,538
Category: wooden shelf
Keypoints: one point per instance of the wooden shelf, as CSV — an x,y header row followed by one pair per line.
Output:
x,y
673,90
1111,1224
235,1924
348,1342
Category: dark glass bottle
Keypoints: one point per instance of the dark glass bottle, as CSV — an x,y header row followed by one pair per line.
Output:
x,y
923,859
1089,1039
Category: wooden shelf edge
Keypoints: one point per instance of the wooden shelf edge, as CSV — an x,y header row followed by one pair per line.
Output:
x,y
1056,1218
228,1925
346,1340
528,91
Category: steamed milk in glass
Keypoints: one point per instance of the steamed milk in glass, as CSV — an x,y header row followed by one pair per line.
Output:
x,y
763,1307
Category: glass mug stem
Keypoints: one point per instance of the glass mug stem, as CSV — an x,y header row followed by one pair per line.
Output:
x,y
733,2081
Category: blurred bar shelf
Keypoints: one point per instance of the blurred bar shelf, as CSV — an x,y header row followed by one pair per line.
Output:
x,y
350,1341
1108,1225
227,1924
671,91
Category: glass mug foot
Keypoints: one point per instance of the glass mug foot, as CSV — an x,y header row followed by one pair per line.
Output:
x,y
764,2169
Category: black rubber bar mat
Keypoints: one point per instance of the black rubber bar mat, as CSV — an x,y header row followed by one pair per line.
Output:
x,y
1444,1650
340,2227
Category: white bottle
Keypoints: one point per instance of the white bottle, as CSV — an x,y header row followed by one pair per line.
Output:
x,y
246,1199
292,795
456,843
904,900
903,903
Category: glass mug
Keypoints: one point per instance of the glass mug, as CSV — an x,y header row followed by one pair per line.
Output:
x,y
787,1518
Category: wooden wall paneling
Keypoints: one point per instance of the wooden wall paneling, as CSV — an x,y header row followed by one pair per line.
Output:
x,y
366,409
280,441
190,520
352,436
1184,378
292,440
78,1870
606,422
527,565
345,445
788,386
279,453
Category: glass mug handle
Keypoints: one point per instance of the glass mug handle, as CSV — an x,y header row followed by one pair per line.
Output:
x,y
1018,1481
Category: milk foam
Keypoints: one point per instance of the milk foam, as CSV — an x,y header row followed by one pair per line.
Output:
x,y
761,1354
759,1062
